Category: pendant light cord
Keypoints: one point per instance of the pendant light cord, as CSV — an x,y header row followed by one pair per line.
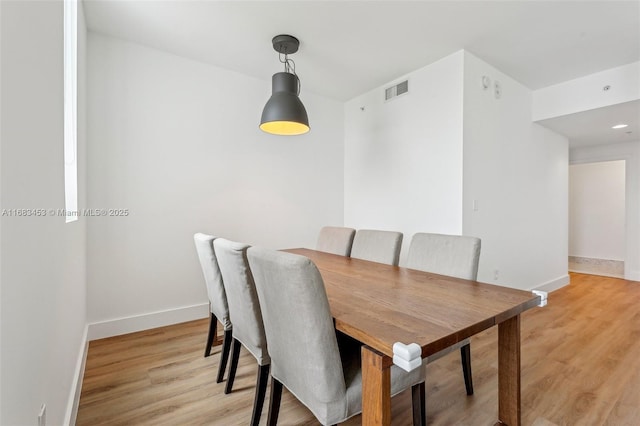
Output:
x,y
290,67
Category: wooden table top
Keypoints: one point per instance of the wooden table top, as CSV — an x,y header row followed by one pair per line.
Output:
x,y
380,304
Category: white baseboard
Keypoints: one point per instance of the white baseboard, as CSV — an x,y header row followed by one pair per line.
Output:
x,y
553,285
629,276
118,326
588,272
76,386
632,276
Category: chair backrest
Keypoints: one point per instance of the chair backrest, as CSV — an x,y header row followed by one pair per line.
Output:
x,y
336,240
212,278
452,255
302,339
244,307
377,246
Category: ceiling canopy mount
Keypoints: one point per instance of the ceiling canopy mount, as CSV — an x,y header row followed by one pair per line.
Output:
x,y
285,44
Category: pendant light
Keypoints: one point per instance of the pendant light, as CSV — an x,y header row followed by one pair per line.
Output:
x,y
284,113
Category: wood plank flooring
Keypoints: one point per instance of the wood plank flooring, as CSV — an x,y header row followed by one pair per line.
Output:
x,y
580,366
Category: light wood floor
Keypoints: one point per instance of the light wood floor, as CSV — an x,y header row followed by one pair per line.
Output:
x,y
580,366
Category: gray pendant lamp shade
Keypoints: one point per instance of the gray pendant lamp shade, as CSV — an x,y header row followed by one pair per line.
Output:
x,y
284,113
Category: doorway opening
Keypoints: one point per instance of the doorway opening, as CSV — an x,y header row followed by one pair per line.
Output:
x,y
597,218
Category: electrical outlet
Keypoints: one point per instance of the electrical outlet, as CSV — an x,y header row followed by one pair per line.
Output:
x,y
496,274
42,416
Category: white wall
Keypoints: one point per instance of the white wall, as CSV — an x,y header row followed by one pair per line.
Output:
x,y
587,92
629,151
517,171
43,258
418,162
176,142
597,210
403,158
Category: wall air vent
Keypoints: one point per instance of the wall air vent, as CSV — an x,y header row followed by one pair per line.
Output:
x,y
397,90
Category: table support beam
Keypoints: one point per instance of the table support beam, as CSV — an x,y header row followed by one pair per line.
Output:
x,y
509,412
376,388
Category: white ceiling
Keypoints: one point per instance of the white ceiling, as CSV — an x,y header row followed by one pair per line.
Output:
x,y
350,47
593,127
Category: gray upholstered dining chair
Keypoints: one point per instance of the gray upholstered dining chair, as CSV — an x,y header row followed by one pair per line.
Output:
x,y
455,256
246,317
377,246
320,366
219,310
336,240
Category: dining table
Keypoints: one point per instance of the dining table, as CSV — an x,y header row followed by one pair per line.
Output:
x,y
391,308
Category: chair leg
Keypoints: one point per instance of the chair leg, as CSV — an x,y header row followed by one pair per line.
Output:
x,y
213,330
235,354
465,356
224,356
418,402
261,390
274,402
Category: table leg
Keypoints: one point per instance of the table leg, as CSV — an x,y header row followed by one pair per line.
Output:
x,y
376,387
509,372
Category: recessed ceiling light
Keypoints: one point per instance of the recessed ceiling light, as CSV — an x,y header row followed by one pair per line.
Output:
x,y
619,126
